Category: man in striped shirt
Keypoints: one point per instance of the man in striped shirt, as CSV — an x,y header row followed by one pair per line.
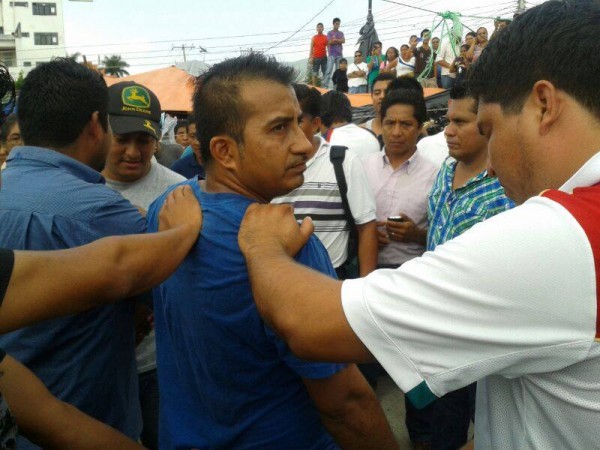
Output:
x,y
463,194
319,196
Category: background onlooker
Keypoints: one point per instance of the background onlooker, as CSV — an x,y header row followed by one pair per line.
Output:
x,y
357,75
10,136
373,62
477,45
340,76
318,55
335,41
406,62
181,134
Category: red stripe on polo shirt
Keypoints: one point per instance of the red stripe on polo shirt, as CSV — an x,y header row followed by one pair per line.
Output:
x,y
584,206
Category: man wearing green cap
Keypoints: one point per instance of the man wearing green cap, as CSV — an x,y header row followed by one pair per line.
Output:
x,y
132,170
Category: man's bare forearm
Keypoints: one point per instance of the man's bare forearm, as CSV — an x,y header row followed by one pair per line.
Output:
x,y
55,283
368,248
49,422
350,411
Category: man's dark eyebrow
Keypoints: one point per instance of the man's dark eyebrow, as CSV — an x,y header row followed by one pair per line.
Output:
x,y
280,119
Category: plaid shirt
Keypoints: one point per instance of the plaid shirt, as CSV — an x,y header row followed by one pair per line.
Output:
x,y
452,212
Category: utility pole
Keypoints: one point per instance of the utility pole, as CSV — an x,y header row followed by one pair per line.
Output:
x,y
520,6
182,48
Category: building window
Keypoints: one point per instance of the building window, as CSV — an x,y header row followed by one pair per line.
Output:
x,y
25,34
45,38
44,9
25,4
26,63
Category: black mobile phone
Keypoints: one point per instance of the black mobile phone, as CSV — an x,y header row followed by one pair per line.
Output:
x,y
396,219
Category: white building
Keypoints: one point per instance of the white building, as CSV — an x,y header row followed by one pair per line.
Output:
x,y
30,33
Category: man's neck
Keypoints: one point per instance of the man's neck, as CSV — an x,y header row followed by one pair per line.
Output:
x,y
338,124
397,160
467,169
229,185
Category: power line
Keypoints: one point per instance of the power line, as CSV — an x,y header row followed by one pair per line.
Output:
x,y
300,29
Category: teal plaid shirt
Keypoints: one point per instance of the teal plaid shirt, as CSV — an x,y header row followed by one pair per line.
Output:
x,y
452,212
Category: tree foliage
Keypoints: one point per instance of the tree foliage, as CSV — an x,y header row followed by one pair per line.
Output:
x,y
114,65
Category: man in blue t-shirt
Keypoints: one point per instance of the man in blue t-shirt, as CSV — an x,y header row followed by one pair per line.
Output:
x,y
53,197
226,379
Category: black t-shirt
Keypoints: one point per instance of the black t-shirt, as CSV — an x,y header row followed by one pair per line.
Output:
x,y
422,57
7,261
340,78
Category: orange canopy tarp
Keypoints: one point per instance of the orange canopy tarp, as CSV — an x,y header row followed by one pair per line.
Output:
x,y
173,87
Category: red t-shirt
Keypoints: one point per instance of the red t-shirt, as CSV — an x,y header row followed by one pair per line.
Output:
x,y
319,46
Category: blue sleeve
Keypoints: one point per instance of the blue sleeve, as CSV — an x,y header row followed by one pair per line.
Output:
x,y
154,208
315,256
118,218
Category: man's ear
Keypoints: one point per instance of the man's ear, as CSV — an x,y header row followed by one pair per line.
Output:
x,y
547,104
95,130
316,125
225,151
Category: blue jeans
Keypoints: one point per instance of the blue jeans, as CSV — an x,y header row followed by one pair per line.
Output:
x,y
359,89
333,63
447,82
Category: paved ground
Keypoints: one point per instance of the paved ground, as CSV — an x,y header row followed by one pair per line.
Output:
x,y
392,402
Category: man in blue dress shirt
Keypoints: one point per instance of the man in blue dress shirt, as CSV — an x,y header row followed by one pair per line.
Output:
x,y
53,197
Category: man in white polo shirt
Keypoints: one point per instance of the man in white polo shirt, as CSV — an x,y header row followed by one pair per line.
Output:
x,y
337,127
513,301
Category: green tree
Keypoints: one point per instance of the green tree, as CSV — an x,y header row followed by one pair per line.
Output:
x,y
114,65
20,80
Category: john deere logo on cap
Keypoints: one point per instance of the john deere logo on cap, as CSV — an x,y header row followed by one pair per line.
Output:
x,y
136,97
148,125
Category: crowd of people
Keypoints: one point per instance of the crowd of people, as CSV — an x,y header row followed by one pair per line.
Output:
x,y
250,290
421,57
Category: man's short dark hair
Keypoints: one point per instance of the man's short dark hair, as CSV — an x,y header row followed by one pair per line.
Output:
x,y
336,19
218,104
335,107
377,43
413,36
343,60
385,76
403,46
7,125
191,120
358,52
424,32
57,101
180,124
309,99
471,33
320,23
555,32
405,97
406,83
461,91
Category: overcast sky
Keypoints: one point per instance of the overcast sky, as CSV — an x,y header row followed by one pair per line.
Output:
x,y
144,32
